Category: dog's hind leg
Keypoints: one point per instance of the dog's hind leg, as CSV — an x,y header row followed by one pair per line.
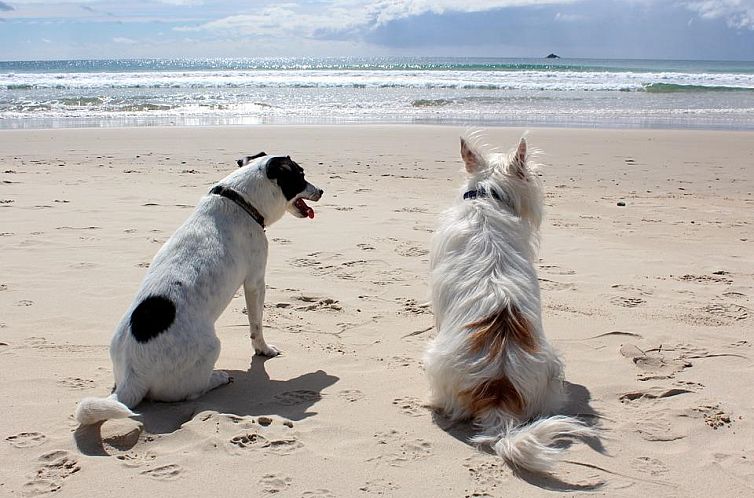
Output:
x,y
254,294
216,379
194,376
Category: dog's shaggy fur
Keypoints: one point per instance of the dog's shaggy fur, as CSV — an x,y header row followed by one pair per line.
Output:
x,y
165,347
490,361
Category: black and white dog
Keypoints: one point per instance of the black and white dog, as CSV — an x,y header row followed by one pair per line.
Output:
x,y
165,347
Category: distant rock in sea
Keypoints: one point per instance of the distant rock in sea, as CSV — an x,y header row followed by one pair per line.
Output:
x,y
552,56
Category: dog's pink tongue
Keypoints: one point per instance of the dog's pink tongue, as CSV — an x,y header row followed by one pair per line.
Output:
x,y
310,213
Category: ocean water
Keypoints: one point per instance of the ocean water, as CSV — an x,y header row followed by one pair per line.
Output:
x,y
459,91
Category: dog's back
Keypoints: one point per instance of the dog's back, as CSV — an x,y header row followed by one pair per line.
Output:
x,y
490,361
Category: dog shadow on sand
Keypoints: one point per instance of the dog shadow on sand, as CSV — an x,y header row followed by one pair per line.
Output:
x,y
578,406
252,393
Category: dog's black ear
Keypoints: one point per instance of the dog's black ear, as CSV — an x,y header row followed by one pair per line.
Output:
x,y
278,167
470,157
246,160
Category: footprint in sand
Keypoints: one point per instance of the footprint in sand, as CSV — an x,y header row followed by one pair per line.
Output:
x,y
552,285
54,468
169,472
412,306
627,302
649,465
487,472
318,304
76,383
318,493
284,445
133,459
735,295
664,361
564,308
655,364
411,251
704,279
656,428
379,487
400,361
653,393
401,450
713,415
351,395
728,311
26,439
556,270
410,406
273,483
249,440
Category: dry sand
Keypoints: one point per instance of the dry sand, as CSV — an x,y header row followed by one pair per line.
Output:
x,y
650,304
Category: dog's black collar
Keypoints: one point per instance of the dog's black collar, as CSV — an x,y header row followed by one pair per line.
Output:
x,y
480,193
234,196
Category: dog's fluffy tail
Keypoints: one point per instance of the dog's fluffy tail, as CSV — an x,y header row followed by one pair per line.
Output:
x,y
530,446
93,410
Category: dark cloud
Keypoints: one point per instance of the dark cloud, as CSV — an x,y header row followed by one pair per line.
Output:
x,y
593,28
4,7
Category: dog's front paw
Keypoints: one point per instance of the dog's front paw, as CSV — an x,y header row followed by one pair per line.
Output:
x,y
267,350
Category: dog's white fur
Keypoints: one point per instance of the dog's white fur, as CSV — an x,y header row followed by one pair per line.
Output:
x,y
490,361
216,250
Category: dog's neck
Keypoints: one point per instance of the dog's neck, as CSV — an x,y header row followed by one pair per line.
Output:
x,y
238,199
481,192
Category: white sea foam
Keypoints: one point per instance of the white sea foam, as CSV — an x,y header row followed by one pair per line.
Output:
x,y
602,93
492,80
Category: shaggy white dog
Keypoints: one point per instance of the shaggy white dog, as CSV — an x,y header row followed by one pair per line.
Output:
x,y
490,361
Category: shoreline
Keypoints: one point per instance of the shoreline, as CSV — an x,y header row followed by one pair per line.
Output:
x,y
446,123
650,304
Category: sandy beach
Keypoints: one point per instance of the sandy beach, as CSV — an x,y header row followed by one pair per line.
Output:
x,y
646,270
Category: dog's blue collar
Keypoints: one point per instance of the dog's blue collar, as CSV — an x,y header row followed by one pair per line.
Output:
x,y
234,196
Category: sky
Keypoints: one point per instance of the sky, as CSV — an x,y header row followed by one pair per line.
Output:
x,y
635,29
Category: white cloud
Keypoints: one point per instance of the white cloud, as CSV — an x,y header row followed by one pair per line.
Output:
x,y
737,14
182,2
561,17
343,16
124,41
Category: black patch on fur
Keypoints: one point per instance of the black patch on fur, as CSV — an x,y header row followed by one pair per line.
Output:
x,y
288,174
152,317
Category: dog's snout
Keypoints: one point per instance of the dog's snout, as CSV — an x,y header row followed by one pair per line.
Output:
x,y
317,194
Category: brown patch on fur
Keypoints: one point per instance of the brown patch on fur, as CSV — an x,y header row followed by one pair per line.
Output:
x,y
492,335
495,393
494,332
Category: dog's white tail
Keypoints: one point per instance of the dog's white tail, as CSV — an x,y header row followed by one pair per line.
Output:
x,y
93,410
529,446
